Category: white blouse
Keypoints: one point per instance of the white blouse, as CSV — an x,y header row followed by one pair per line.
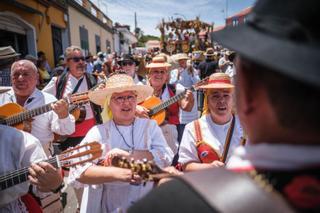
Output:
x,y
213,134
110,197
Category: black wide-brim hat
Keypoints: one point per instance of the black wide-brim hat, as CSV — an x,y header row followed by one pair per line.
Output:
x,y
282,35
128,57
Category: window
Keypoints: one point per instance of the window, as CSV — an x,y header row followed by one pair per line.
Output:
x,y
98,43
235,22
108,46
84,41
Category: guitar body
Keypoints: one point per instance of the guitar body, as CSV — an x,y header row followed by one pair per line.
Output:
x,y
79,114
9,109
151,102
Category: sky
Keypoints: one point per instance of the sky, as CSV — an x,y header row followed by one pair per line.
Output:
x,y
151,12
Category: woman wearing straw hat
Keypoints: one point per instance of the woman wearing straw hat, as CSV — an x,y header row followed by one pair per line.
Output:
x,y
123,135
207,142
158,77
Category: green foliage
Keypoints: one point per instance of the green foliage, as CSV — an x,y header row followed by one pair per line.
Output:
x,y
144,38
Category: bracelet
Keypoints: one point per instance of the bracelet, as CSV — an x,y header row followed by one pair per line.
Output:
x,y
58,189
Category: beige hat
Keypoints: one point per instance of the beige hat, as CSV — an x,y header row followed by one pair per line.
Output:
x,y
7,52
157,62
218,81
182,56
209,52
120,83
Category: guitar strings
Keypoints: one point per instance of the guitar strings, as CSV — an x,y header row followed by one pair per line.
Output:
x,y
24,170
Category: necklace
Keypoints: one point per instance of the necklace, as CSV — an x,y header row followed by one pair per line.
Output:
x,y
124,140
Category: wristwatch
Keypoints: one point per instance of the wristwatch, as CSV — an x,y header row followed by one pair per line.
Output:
x,y
59,188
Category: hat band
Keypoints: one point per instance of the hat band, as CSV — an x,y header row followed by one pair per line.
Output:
x,y
219,81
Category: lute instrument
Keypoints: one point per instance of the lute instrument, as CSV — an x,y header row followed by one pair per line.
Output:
x,y
157,108
68,158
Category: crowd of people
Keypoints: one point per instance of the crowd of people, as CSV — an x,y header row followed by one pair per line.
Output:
x,y
222,125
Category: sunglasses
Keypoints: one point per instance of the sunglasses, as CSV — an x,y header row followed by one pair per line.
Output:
x,y
77,59
127,63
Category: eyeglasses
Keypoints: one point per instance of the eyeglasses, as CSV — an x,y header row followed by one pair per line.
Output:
x,y
127,63
77,59
122,99
156,72
217,97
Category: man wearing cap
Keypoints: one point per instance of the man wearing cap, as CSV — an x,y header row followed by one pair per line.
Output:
x,y
123,135
128,65
277,71
7,56
217,133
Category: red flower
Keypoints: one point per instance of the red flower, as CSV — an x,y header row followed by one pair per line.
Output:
x,y
303,192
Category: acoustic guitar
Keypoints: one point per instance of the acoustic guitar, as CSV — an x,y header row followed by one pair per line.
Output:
x,y
157,108
68,158
13,114
147,170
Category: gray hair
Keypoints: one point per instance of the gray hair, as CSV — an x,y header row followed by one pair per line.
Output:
x,y
70,50
25,61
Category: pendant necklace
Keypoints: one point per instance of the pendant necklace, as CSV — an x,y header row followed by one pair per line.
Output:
x,y
124,140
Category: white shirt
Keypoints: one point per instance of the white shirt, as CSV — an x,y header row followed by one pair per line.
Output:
x,y
70,85
109,197
275,156
44,125
213,134
18,149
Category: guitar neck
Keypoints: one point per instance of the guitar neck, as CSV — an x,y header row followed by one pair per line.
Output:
x,y
168,102
28,114
19,176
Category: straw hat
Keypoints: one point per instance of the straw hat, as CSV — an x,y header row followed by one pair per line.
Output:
x,y
8,52
120,83
182,56
209,52
158,62
218,81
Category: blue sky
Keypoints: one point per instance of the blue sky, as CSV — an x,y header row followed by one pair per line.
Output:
x,y
150,12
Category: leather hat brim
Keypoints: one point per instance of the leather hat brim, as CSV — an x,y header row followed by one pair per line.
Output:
x,y
296,60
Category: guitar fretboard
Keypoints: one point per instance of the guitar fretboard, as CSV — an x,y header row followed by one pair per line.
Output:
x,y
15,119
168,102
19,176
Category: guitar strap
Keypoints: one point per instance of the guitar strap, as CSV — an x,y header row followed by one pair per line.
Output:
x,y
77,86
228,140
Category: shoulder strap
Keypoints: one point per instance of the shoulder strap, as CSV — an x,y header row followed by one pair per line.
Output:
x,y
228,140
92,81
249,196
61,84
197,130
172,87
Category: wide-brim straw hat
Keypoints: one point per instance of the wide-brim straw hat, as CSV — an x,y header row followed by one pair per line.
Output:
x,y
120,83
281,35
182,56
209,52
218,81
158,62
8,52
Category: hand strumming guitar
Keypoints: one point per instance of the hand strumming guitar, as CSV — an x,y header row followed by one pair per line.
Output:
x,y
61,107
